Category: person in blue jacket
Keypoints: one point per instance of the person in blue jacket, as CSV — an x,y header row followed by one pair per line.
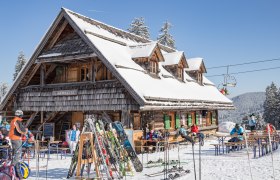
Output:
x,y
237,130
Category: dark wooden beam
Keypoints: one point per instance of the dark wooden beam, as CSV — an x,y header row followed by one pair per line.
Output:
x,y
32,74
93,71
50,70
42,74
65,58
57,34
30,120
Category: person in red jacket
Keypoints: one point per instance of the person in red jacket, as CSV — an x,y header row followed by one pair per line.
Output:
x,y
270,127
195,131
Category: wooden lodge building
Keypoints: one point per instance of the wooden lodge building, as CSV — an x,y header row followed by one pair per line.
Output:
x,y
83,66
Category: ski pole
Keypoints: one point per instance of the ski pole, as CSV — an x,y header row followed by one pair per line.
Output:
x,y
269,138
246,142
199,157
194,162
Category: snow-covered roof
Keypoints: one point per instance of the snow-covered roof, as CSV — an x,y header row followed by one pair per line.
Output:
x,y
206,81
142,83
195,64
142,50
117,48
172,58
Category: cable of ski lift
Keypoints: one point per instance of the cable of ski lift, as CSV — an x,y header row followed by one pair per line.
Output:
x,y
243,72
240,64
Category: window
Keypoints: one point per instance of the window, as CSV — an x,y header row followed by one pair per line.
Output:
x,y
180,73
199,78
84,74
153,67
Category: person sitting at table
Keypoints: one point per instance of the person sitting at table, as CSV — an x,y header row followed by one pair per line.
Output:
x,y
152,138
74,138
237,130
197,133
269,127
184,134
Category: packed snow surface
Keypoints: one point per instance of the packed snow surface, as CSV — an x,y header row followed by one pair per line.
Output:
x,y
232,166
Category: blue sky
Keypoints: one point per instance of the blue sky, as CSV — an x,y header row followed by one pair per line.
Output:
x,y
222,32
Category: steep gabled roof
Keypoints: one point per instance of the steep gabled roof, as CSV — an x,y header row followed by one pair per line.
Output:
x,y
174,58
196,64
112,47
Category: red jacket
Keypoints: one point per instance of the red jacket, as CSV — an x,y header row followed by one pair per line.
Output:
x,y
194,129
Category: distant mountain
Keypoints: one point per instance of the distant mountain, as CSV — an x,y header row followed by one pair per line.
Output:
x,y
245,104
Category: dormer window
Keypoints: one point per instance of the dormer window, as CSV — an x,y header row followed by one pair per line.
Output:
x,y
153,67
175,63
148,56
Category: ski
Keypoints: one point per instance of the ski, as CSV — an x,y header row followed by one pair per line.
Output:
x,y
177,175
165,164
173,169
101,149
128,147
74,160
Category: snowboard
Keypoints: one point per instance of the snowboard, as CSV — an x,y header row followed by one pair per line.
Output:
x,y
127,146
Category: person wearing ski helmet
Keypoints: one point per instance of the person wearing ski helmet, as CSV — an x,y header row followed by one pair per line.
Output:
x,y
16,131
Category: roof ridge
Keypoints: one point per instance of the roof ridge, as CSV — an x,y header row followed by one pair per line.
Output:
x,y
129,34
96,22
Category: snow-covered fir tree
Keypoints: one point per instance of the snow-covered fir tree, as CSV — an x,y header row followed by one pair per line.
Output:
x,y
139,28
270,104
164,37
20,64
3,90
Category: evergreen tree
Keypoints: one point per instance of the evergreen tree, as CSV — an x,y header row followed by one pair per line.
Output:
x,y
270,104
164,37
20,64
3,90
139,28
277,117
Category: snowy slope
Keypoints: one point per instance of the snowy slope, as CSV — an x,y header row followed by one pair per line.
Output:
x,y
245,104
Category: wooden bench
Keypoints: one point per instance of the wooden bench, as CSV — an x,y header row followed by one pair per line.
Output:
x,y
217,148
239,145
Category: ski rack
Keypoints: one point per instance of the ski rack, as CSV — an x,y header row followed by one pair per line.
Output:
x,y
85,137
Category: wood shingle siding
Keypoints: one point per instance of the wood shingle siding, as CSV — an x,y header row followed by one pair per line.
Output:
x,y
106,95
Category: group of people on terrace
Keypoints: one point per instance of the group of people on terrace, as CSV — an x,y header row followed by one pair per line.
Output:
x,y
239,130
153,136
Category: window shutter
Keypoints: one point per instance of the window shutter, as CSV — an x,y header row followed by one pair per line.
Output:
x,y
189,120
166,122
177,121
196,118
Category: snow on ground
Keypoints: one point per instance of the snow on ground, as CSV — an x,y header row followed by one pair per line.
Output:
x,y
230,166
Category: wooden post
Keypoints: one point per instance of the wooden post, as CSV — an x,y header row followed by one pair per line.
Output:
x,y
42,75
93,71
42,117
